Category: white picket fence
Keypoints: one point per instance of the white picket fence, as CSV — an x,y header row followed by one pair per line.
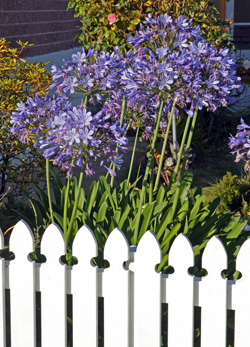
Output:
x,y
133,292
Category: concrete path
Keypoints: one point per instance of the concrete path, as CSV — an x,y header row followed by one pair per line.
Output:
x,y
54,58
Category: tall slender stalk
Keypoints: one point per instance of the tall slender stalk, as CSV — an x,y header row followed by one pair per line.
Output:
x,y
121,122
133,155
67,235
145,178
164,147
49,192
190,136
86,100
67,191
177,193
65,207
151,168
183,140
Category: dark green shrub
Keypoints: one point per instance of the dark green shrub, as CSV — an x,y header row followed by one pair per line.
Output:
x,y
99,32
234,193
18,81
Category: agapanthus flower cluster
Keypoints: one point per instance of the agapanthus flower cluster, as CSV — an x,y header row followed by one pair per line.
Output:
x,y
92,73
71,136
174,62
240,144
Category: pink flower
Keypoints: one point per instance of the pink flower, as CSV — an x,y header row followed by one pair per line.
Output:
x,y
112,18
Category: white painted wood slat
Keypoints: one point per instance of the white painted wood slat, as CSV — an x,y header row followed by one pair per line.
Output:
x,y
84,290
213,295
22,287
241,298
116,291
180,294
53,288
2,296
147,292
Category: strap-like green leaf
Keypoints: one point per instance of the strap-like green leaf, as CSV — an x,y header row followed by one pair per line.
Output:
x,y
91,197
102,212
146,219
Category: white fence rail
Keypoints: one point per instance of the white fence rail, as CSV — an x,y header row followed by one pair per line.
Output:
x,y
132,290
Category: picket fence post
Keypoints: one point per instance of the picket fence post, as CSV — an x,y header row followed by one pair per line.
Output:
x,y
147,292
132,289
84,287
180,294
2,295
53,289
116,291
213,295
22,284
241,298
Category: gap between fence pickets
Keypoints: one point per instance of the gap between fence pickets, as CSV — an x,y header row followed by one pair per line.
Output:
x,y
164,278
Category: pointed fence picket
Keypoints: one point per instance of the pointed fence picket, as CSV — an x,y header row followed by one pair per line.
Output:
x,y
213,295
22,284
84,289
241,298
132,290
53,289
116,291
2,296
180,294
147,292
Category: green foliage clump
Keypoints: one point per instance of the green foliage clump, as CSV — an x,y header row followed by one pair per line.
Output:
x,y
234,193
18,81
105,207
96,30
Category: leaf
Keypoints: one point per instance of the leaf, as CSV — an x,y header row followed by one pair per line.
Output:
x,y
235,232
146,219
59,218
160,207
102,212
183,211
91,197
160,195
197,206
124,217
165,221
169,234
185,185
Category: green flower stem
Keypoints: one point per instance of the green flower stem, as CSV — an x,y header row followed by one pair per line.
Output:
x,y
121,122
184,136
151,181
164,147
65,207
190,136
145,178
177,193
133,155
86,100
67,235
151,167
49,192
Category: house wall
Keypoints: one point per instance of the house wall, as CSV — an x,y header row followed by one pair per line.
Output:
x,y
45,23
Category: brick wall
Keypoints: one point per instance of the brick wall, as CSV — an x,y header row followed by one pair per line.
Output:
x,y
45,23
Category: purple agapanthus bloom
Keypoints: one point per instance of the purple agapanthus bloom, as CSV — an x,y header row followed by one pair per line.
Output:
x,y
69,135
240,144
178,63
